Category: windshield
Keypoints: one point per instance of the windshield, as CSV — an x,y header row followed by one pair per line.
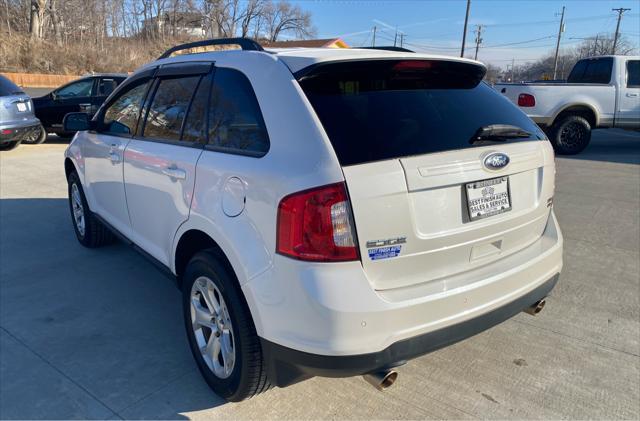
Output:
x,y
376,110
8,88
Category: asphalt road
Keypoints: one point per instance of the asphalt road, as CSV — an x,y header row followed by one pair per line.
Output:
x,y
97,333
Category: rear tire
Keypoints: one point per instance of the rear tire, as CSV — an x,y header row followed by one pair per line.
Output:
x,y
90,232
570,135
37,138
223,342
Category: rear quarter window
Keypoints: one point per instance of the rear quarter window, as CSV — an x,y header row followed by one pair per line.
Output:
x,y
377,110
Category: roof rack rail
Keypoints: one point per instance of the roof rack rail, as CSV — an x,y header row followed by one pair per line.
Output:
x,y
388,48
244,43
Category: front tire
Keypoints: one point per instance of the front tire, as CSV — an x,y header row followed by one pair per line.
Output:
x,y
570,135
220,330
90,232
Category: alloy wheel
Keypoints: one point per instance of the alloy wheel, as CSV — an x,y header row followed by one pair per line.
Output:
x,y
78,209
212,327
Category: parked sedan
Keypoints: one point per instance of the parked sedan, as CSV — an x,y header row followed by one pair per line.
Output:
x,y
17,121
85,94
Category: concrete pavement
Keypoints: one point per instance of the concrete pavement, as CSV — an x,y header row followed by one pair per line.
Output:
x,y
97,333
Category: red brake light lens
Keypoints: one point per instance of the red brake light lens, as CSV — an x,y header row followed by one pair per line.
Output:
x,y
6,131
526,100
316,225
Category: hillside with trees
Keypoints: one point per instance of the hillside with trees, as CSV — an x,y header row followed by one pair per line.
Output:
x,y
79,36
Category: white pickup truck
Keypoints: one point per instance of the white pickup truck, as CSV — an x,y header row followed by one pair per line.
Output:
x,y
600,92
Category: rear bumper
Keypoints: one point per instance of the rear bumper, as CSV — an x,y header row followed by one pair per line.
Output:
x,y
288,366
327,320
19,131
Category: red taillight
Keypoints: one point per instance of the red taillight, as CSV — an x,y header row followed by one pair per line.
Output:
x,y
6,131
316,225
526,100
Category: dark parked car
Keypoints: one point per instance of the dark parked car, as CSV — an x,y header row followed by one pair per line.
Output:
x,y
17,121
83,95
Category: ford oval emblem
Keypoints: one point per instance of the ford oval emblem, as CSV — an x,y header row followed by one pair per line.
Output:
x,y
496,161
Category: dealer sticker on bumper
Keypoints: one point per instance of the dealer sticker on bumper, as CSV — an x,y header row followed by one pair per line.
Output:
x,y
384,252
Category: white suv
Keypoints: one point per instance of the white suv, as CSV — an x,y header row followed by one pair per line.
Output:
x,y
325,212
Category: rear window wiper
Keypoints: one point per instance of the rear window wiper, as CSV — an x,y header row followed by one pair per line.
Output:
x,y
499,132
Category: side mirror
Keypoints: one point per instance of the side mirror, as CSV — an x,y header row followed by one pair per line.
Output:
x,y
76,122
53,96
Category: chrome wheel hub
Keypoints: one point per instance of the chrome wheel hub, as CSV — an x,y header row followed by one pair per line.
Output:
x,y
78,209
212,327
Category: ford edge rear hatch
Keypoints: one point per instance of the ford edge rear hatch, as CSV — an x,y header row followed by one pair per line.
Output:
x,y
444,174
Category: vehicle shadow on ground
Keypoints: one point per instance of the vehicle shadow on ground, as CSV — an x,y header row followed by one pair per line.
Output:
x,y
611,145
107,329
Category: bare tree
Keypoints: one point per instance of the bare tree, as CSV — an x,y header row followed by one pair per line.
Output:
x,y
252,14
603,44
36,25
284,17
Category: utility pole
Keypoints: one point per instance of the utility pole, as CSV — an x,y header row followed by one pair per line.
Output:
x,y
513,66
478,39
373,44
620,11
395,39
402,40
560,30
464,33
595,46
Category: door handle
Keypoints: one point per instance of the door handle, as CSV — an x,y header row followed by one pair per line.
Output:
x,y
114,157
632,95
176,173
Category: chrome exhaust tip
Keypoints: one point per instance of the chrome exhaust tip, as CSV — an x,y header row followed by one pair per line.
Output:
x,y
536,308
382,380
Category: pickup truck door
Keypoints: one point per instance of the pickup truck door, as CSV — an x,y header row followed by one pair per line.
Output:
x,y
628,115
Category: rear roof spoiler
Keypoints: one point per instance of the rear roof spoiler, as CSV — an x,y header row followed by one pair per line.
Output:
x,y
245,43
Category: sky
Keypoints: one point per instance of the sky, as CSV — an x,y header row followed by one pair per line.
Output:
x,y
524,30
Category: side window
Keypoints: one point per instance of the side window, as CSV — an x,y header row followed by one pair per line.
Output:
x,y
235,121
633,74
168,107
121,116
195,126
78,89
106,86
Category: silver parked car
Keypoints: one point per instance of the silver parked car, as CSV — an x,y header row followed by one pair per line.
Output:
x,y
17,121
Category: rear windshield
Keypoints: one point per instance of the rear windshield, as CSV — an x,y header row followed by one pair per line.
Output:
x,y
592,71
376,110
8,88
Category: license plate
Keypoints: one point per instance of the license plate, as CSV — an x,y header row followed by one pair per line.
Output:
x,y
21,106
488,197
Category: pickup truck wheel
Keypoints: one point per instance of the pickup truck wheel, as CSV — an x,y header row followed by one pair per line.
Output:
x,y
570,135
89,230
221,333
